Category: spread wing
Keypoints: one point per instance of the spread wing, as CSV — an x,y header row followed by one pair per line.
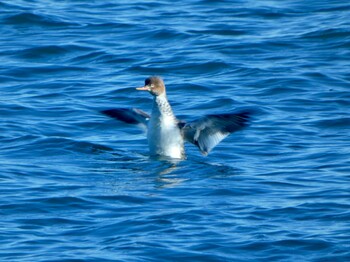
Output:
x,y
210,130
128,115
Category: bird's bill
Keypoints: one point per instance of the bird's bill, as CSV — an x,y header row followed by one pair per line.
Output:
x,y
143,88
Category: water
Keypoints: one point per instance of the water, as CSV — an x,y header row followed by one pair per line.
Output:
x,y
77,186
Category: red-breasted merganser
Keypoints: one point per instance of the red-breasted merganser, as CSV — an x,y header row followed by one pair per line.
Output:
x,y
166,134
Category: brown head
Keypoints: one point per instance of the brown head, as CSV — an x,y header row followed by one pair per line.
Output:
x,y
154,85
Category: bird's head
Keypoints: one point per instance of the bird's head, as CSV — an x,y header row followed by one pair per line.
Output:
x,y
154,85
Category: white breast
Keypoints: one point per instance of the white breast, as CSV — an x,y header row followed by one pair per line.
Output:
x,y
164,137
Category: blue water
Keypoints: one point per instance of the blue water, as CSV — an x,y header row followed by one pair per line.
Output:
x,y
77,186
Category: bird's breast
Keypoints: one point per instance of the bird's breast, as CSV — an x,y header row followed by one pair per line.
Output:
x,y
164,137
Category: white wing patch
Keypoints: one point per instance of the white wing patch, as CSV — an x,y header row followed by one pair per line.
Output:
x,y
208,142
210,130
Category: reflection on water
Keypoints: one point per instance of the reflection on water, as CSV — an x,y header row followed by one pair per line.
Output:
x,y
160,172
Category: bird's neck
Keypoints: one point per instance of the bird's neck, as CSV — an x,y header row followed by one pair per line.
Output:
x,y
161,106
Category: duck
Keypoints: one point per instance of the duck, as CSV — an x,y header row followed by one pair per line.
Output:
x,y
166,134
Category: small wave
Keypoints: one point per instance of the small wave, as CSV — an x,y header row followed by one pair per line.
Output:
x,y
32,72
325,34
50,52
28,19
102,57
41,51
166,35
209,68
329,8
336,123
218,30
107,25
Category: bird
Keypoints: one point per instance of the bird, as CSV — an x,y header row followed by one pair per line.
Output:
x,y
166,134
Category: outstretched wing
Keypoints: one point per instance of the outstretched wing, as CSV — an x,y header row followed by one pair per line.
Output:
x,y
209,130
128,115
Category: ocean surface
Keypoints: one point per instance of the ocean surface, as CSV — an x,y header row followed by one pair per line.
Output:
x,y
78,186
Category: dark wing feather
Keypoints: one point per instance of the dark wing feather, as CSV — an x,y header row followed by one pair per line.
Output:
x,y
128,115
210,130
